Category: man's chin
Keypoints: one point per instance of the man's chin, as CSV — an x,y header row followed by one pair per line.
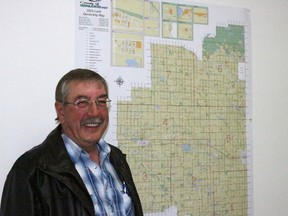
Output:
x,y
92,136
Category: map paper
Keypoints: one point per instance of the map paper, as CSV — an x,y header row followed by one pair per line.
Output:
x,y
180,82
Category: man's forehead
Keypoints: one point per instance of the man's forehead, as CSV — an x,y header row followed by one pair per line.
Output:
x,y
91,83
83,87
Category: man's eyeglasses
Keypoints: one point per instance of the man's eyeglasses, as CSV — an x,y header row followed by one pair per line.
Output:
x,y
83,104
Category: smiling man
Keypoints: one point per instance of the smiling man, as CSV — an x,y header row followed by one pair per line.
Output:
x,y
74,171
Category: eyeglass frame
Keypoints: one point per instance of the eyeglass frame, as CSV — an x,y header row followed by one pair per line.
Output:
x,y
89,102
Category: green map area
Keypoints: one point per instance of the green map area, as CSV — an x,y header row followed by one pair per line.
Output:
x,y
185,137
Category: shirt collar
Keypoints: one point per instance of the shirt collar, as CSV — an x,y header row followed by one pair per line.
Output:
x,y
75,150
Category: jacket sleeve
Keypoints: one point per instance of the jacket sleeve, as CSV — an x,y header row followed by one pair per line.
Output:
x,y
17,197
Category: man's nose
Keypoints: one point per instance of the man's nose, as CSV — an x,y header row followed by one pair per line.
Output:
x,y
93,108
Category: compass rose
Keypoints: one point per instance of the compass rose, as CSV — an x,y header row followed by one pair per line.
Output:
x,y
119,81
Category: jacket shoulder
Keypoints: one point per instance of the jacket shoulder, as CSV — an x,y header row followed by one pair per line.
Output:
x,y
116,149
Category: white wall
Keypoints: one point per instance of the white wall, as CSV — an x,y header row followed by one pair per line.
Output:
x,y
37,48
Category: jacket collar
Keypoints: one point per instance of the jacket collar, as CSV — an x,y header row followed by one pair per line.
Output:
x,y
56,162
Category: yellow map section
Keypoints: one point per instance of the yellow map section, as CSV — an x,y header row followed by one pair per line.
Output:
x,y
128,50
185,137
131,20
200,15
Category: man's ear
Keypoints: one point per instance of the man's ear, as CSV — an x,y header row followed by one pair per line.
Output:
x,y
60,111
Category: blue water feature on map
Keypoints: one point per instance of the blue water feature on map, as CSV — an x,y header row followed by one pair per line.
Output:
x,y
132,63
179,11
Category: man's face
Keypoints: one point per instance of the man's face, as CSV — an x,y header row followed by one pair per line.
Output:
x,y
84,127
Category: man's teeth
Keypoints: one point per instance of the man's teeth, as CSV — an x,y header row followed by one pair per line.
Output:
x,y
92,125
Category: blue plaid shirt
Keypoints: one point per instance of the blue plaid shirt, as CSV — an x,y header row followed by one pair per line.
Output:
x,y
102,182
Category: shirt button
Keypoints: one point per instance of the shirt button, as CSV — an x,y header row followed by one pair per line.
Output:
x,y
111,209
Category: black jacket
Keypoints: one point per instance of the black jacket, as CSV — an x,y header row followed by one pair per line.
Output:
x,y
44,182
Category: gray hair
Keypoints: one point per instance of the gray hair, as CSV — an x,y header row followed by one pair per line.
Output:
x,y
62,88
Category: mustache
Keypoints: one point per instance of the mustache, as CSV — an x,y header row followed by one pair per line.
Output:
x,y
96,120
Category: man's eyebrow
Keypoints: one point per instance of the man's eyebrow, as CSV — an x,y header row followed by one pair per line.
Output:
x,y
86,97
81,97
103,96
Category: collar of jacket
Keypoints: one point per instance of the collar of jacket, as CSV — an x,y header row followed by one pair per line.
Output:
x,y
55,161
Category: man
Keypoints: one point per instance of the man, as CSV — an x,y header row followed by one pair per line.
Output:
x,y
74,172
